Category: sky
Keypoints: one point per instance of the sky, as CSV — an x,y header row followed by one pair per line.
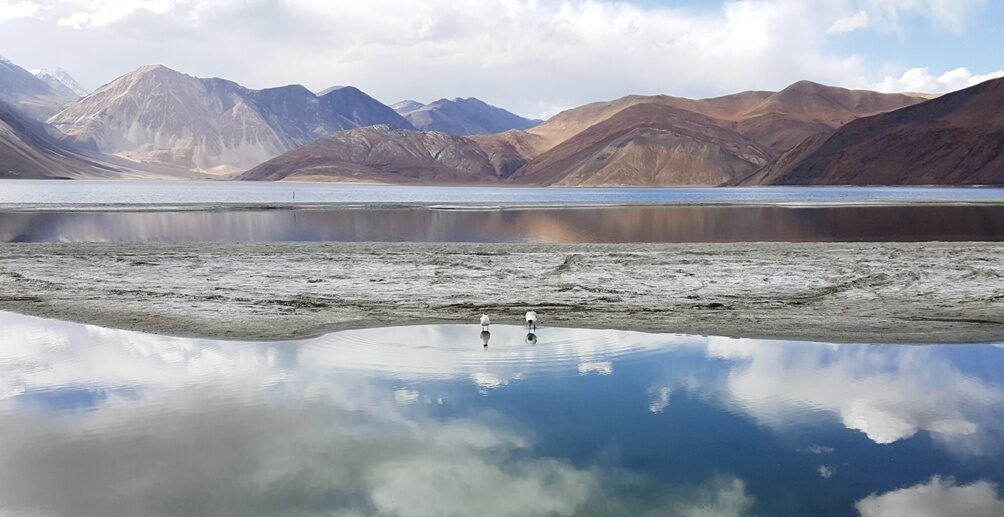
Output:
x,y
533,57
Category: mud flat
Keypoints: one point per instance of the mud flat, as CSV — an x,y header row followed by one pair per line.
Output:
x,y
882,293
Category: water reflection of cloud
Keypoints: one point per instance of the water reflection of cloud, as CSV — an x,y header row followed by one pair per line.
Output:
x,y
936,498
195,453
888,393
660,398
225,428
596,367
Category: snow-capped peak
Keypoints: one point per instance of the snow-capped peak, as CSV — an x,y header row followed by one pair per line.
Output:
x,y
60,79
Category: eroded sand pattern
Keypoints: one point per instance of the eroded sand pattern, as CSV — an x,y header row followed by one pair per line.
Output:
x,y
890,292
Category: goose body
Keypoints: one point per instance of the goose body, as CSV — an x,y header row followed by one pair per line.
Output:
x,y
531,319
485,320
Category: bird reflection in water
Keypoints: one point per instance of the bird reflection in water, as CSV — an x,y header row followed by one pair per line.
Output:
x,y
485,337
531,338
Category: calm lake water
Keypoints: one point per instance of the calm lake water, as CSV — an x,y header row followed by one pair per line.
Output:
x,y
427,421
569,225
249,193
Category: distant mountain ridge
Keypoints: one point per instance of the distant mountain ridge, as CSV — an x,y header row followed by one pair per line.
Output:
x,y
159,115
157,122
460,116
60,79
635,140
31,95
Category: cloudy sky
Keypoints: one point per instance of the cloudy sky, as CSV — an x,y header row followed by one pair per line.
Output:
x,y
533,57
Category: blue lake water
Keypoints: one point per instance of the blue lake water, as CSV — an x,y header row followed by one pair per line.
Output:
x,y
427,420
209,192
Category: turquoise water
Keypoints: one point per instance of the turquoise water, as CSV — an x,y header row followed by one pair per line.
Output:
x,y
426,420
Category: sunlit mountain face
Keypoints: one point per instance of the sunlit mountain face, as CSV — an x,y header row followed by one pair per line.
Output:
x,y
435,419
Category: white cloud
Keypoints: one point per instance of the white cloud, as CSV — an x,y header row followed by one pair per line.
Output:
x,y
951,15
18,9
534,57
856,21
922,80
106,12
936,498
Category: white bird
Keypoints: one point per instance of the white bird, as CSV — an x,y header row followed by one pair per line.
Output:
x,y
531,320
485,321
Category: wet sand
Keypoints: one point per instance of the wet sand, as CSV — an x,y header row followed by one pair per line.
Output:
x,y
882,293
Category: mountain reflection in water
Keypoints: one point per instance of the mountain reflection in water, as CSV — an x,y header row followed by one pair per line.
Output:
x,y
426,421
564,225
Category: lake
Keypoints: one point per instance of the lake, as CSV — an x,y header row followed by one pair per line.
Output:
x,y
618,224
180,193
427,420
109,211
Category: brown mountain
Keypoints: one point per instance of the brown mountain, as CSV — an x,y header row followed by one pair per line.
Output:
x,y
384,154
955,139
571,122
777,120
804,109
635,140
648,144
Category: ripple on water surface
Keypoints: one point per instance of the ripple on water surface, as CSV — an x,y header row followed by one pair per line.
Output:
x,y
371,421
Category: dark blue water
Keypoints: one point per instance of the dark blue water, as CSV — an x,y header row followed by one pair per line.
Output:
x,y
428,421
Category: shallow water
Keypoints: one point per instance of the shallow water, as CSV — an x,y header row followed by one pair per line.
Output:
x,y
426,420
566,225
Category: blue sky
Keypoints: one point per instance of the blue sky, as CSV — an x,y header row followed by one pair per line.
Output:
x,y
534,57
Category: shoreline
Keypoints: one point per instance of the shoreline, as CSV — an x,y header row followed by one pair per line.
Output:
x,y
832,292
474,206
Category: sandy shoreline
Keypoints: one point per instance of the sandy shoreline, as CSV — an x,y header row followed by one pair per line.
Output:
x,y
886,293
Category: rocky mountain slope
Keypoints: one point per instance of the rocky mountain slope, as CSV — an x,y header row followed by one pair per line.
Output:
x,y
382,154
955,139
461,117
29,94
60,79
158,115
804,109
30,149
778,120
649,140
648,144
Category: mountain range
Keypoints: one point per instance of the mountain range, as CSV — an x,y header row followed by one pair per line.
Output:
x,y
159,122
956,139
32,95
158,115
635,140
461,117
60,80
